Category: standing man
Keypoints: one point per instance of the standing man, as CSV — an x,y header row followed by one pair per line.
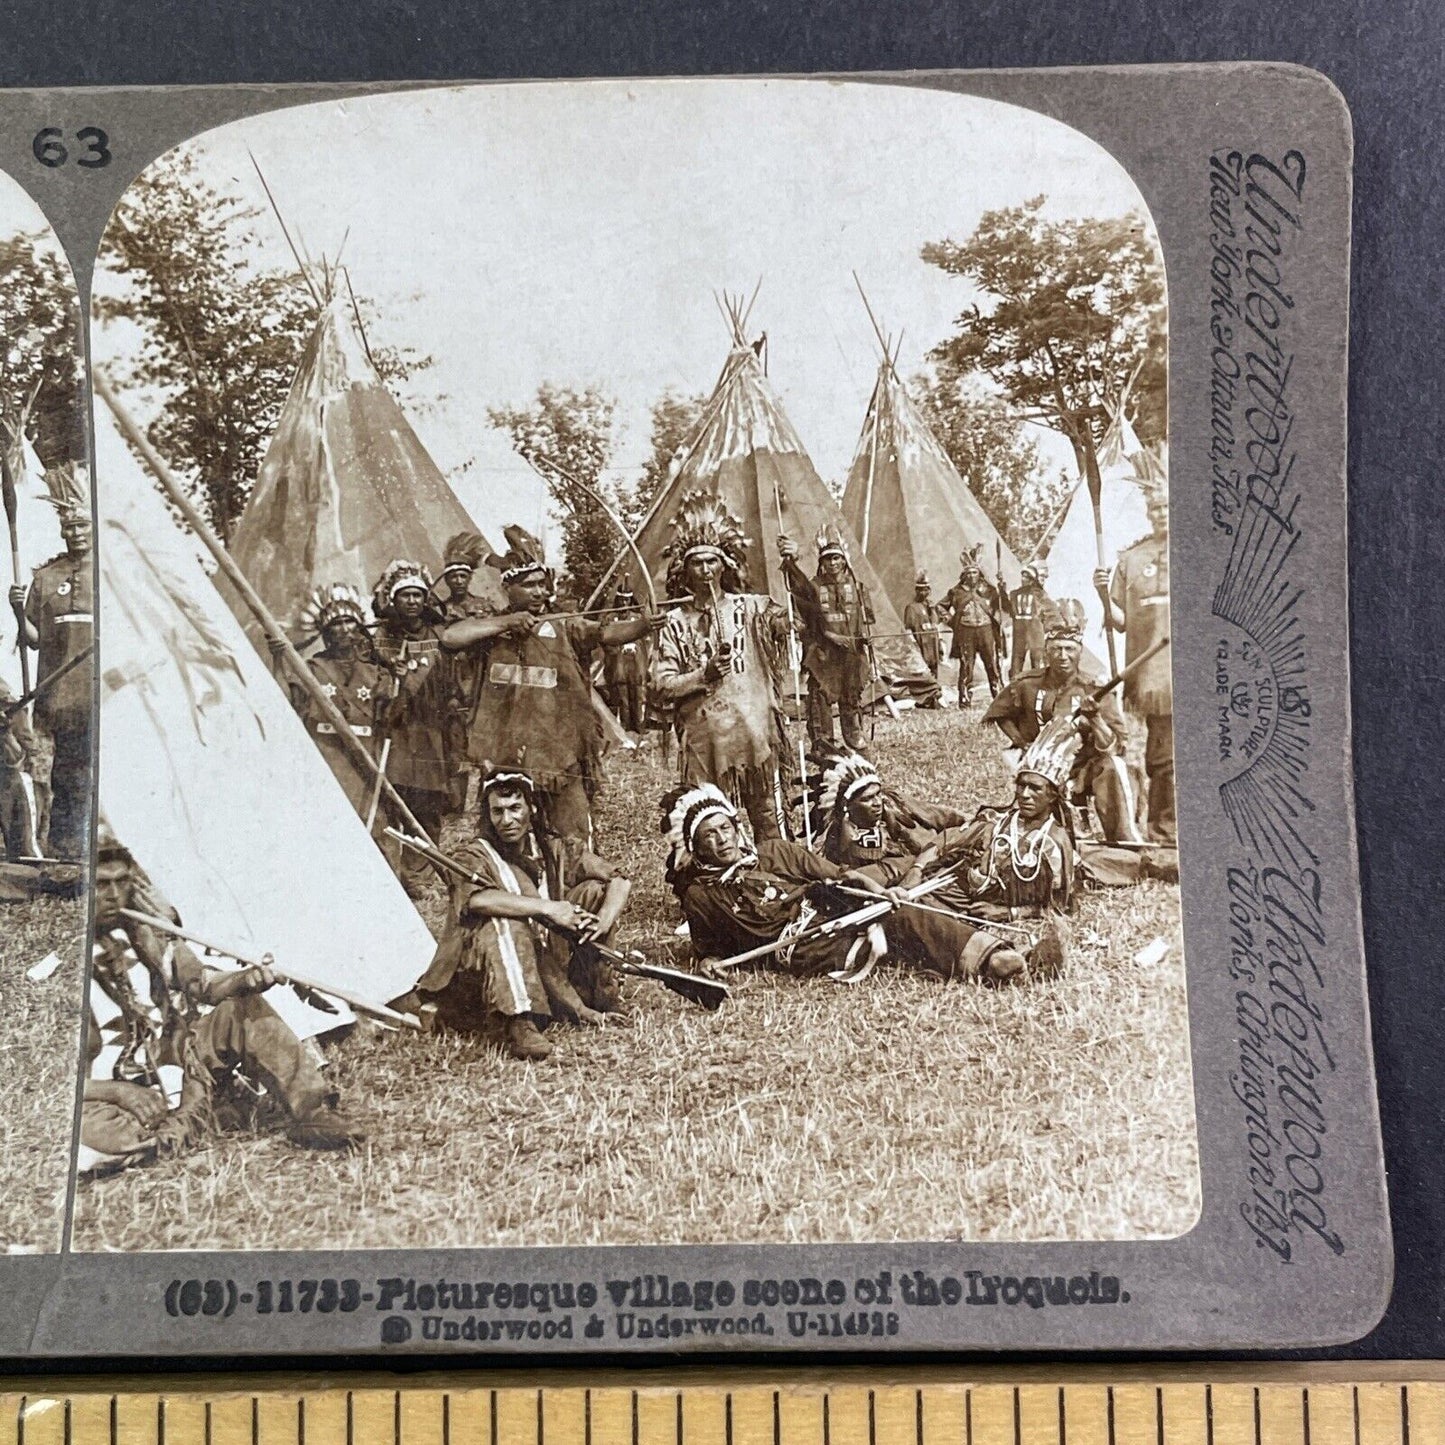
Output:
x,y
1033,614
408,643
973,610
1061,689
534,710
516,949
358,683
57,621
920,619
462,555
1138,597
18,820
837,620
719,662
625,667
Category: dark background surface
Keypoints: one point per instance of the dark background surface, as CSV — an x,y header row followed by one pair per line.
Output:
x,y
1385,57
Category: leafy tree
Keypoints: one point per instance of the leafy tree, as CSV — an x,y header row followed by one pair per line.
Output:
x,y
40,347
1070,314
568,436
988,442
674,419
219,341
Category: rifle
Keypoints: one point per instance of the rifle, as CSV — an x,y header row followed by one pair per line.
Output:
x,y
705,992
859,918
1125,672
317,995
48,681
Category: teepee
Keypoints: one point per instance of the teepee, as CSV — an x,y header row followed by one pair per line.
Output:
x,y
346,485
745,450
37,532
211,780
1125,465
907,503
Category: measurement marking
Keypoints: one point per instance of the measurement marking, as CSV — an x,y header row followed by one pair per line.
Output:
x,y
827,1434
161,1423
493,1394
20,1422
1355,1393
65,1426
918,1417
634,1418
350,1419
206,1428
1111,1415
255,1421
1209,1414
777,1419
872,1421
301,1420
1159,1413
114,1420
586,1418
395,1418
1063,1426
1306,1414
1018,1419
1404,1416
727,1418
679,1417
967,1416
1257,1440
540,1427
447,1418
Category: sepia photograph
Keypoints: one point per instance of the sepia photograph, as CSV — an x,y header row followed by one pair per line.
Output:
x,y
636,696
47,673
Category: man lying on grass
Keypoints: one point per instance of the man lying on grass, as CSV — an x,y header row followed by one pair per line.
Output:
x,y
517,951
736,897
241,1063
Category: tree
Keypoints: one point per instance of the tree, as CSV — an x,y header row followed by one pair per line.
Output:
x,y
220,340
40,352
1071,312
986,440
568,436
674,420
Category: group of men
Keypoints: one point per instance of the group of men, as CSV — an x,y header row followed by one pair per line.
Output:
x,y
436,682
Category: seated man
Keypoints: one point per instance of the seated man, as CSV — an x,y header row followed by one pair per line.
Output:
x,y
735,898
236,1053
1060,689
516,948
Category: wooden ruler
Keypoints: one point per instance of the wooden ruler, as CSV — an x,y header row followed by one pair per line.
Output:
x,y
1224,1405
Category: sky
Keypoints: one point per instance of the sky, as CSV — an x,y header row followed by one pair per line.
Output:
x,y
575,234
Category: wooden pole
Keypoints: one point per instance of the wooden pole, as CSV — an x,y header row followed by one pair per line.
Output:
x,y
269,626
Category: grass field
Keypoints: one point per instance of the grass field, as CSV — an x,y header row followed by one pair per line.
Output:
x,y
40,1043
803,1111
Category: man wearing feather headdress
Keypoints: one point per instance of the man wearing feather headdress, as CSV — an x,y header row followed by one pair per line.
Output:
x,y
836,613
356,680
59,623
533,709
735,897
718,661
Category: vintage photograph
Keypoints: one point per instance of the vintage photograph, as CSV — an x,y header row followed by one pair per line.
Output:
x,y
47,674
636,697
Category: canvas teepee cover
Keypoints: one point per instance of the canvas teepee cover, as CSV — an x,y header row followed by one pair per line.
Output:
x,y
908,504
1124,464
209,777
746,451
37,529
346,485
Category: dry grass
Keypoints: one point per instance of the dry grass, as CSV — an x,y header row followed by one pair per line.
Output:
x,y
803,1111
40,1043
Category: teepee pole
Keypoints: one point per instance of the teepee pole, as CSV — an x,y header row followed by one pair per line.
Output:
x,y
238,579
280,221
872,459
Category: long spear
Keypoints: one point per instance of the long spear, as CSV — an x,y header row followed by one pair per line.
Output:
x,y
269,625
1096,490
7,489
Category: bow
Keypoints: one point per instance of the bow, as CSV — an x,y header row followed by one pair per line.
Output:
x,y
572,479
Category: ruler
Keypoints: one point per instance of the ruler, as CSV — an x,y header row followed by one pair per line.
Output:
x,y
1305,1405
